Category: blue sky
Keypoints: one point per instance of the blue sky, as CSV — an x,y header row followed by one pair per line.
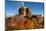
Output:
x,y
12,7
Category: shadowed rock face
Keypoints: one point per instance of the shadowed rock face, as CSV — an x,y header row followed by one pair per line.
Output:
x,y
25,11
19,22
23,21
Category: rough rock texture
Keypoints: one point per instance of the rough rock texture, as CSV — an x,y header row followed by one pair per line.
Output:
x,y
25,20
21,22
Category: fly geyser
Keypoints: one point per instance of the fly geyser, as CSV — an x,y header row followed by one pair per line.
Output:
x,y
24,20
